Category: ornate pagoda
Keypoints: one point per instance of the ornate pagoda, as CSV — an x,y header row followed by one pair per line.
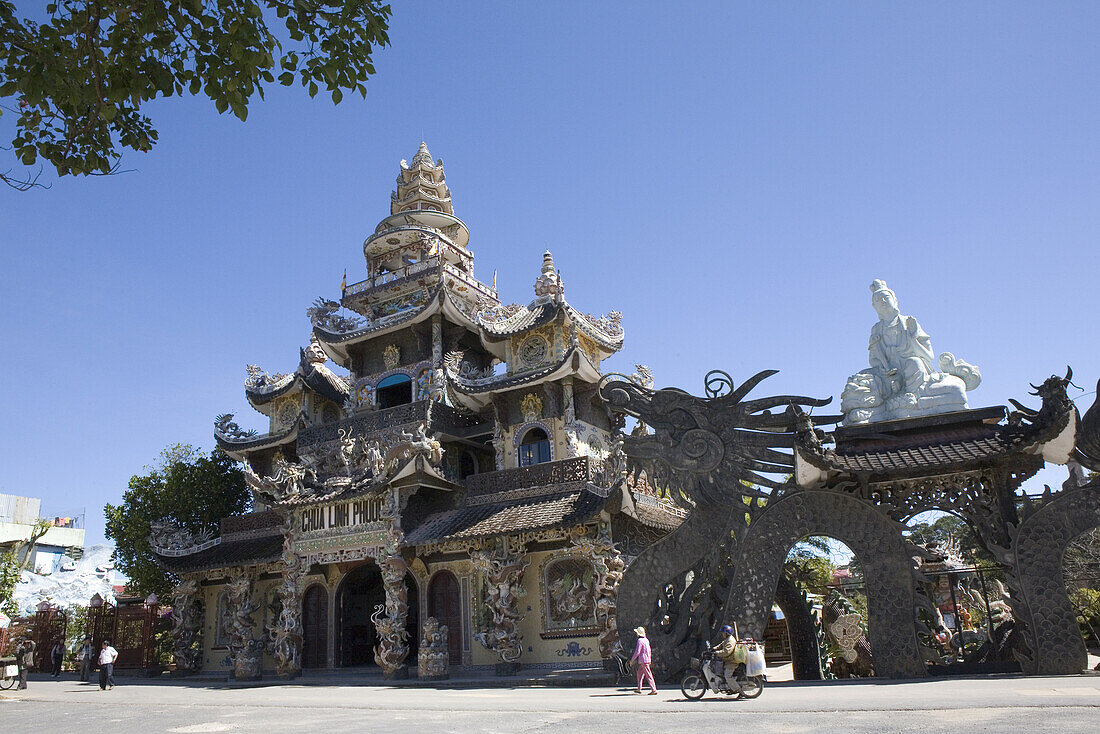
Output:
x,y
437,461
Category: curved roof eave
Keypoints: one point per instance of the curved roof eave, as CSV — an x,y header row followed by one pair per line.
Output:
x,y
575,362
258,398
335,344
240,449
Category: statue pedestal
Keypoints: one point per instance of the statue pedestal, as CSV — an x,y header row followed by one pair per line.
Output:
x,y
504,669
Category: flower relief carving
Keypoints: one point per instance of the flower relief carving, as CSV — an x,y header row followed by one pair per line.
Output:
x,y
286,414
534,351
391,356
531,407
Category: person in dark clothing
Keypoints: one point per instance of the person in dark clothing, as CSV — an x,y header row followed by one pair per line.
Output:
x,y
24,658
57,657
86,657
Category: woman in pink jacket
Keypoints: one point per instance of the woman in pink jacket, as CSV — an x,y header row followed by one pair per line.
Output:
x,y
643,655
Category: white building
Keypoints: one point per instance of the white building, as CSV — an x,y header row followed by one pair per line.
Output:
x,y
65,538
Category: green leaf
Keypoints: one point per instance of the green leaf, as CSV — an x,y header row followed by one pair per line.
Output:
x,y
337,95
108,112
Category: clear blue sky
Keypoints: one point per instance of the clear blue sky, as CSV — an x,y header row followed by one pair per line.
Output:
x,y
730,175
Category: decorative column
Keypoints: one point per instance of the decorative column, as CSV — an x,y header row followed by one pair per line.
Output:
x,y
245,651
437,358
186,626
569,418
503,571
390,619
498,435
608,564
286,632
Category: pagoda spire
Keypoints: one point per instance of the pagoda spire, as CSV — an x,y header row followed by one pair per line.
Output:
x,y
421,185
549,283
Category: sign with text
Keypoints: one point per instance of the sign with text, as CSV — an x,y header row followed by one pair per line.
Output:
x,y
341,515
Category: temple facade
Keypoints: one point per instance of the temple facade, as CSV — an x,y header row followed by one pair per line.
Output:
x,y
436,460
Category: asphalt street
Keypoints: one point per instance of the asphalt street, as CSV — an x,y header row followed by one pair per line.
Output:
x,y
998,704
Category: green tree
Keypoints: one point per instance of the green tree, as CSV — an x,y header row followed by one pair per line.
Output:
x,y
186,487
79,77
948,526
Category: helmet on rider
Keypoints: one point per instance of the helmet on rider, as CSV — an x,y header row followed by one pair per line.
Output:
x,y
726,630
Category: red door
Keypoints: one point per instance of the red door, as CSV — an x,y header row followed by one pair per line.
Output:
x,y
315,627
444,603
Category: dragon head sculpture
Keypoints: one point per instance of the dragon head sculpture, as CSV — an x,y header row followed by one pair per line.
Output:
x,y
711,450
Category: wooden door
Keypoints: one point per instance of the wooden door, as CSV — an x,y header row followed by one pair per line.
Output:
x,y
445,604
315,627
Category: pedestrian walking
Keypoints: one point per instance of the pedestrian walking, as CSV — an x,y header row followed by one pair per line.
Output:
x,y
107,657
24,659
85,657
643,656
57,658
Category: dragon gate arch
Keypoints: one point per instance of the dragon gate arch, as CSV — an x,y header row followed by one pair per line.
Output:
x,y
756,481
1041,543
873,538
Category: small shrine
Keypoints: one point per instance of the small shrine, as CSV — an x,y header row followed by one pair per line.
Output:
x,y
438,469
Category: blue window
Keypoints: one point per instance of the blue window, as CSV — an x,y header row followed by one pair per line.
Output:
x,y
535,448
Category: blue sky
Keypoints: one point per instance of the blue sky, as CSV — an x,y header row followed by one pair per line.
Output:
x,y
730,175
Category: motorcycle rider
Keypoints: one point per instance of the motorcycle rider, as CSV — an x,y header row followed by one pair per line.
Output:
x,y
727,652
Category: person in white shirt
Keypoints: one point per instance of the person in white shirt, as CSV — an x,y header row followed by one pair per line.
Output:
x,y
107,656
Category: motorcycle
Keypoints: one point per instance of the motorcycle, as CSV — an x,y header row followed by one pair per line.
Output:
x,y
703,675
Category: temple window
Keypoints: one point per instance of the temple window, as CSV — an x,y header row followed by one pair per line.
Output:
x,y
221,618
569,601
534,448
394,390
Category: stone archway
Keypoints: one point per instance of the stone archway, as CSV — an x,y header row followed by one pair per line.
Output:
x,y
1057,647
873,538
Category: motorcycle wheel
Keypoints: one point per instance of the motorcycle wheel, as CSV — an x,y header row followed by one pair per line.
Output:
x,y
7,682
752,687
693,686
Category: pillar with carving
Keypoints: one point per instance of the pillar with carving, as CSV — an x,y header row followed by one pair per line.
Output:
x,y
245,651
390,619
186,627
437,358
286,632
503,571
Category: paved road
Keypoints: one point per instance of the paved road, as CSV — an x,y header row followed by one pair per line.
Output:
x,y
1066,704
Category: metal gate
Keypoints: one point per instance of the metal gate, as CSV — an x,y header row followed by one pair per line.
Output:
x,y
131,629
50,623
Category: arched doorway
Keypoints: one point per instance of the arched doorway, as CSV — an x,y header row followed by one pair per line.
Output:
x,y
445,604
360,592
315,627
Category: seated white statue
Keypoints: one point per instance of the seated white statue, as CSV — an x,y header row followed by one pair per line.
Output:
x,y
903,380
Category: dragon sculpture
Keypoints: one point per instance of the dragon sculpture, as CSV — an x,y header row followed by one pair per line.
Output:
x,y
186,625
390,618
721,457
247,653
325,314
503,571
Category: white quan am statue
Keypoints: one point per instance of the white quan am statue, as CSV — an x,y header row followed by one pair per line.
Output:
x,y
904,379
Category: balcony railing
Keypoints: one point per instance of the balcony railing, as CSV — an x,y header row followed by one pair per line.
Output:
x,y
431,263
580,469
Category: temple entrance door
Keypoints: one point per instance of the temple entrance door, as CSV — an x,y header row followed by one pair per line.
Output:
x,y
361,591
444,603
412,619
315,627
